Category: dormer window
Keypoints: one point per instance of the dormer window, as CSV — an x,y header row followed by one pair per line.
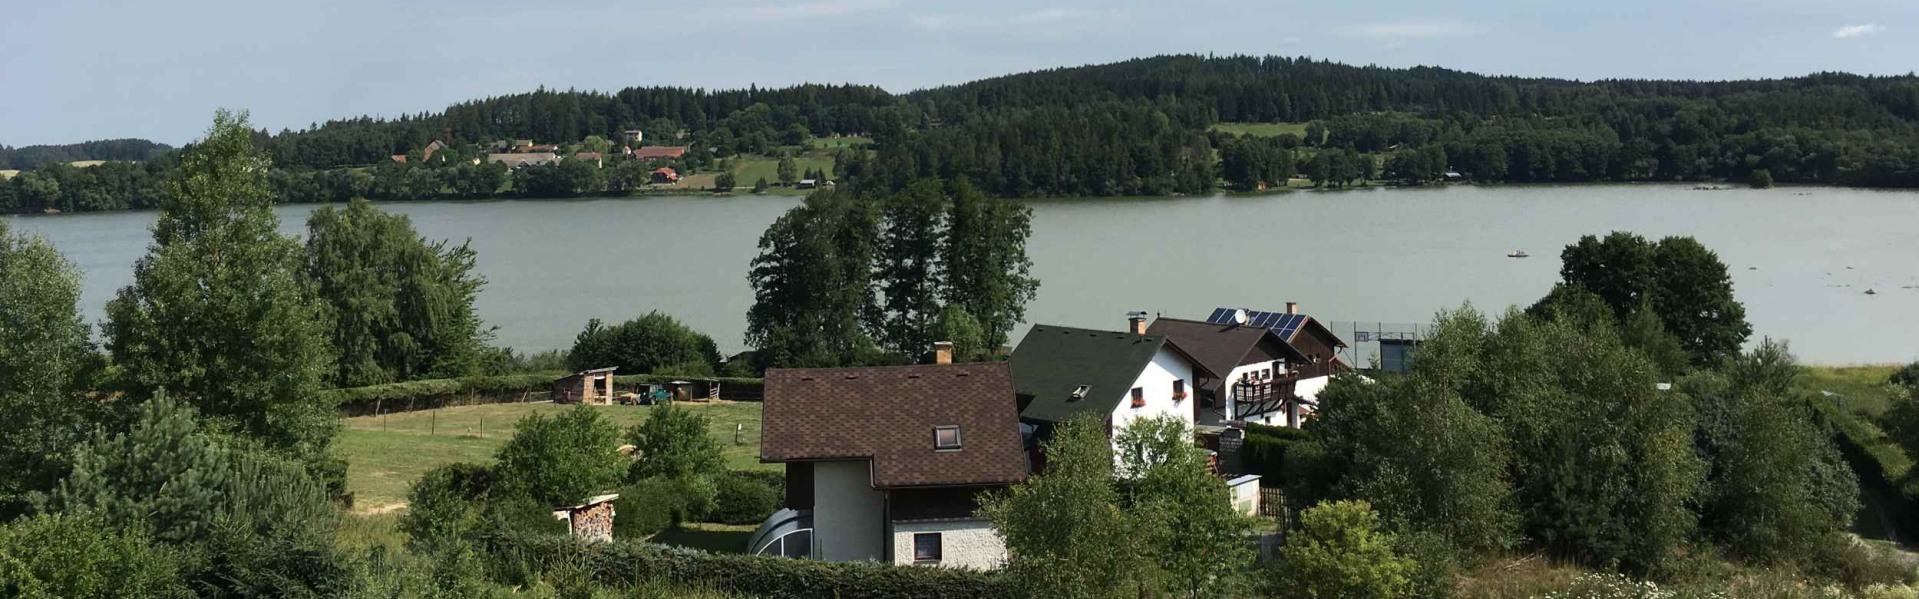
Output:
x,y
946,438
1080,393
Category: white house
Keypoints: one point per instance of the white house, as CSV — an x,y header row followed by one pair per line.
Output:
x,y
1065,372
1276,363
888,463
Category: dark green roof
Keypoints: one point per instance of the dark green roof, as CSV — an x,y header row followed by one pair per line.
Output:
x,y
1051,362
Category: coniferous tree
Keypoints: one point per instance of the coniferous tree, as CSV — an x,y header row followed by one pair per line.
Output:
x,y
987,271
909,273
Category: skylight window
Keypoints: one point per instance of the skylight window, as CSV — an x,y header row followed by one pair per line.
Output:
x,y
1080,393
946,438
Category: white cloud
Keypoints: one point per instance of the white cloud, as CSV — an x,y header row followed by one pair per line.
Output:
x,y
1412,30
809,10
1052,20
1858,30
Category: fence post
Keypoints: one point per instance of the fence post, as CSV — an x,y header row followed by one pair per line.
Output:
x,y
433,422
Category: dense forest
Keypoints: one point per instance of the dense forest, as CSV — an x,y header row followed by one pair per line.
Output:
x,y
27,157
1139,127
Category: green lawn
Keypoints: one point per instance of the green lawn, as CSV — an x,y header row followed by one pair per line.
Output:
x,y
747,169
1261,129
1863,388
385,454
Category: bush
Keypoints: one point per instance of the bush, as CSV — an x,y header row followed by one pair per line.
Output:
x,y
561,460
445,503
656,504
1339,552
1905,376
1265,454
743,499
674,443
52,556
627,564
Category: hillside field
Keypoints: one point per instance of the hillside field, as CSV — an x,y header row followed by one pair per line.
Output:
x,y
385,454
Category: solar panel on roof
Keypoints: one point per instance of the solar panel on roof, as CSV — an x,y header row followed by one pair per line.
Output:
x,y
1221,316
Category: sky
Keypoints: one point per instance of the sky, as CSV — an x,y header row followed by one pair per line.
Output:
x,y
76,70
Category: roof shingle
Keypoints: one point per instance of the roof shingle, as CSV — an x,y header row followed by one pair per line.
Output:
x,y
888,414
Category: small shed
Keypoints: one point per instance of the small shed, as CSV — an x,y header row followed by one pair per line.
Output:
x,y
694,389
593,519
587,386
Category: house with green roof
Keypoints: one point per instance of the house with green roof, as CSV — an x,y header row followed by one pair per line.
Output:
x,y
1118,376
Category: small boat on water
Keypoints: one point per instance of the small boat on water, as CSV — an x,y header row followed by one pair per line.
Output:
x,y
1516,254
1871,292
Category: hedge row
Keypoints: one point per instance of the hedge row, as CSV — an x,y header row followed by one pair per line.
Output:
x,y
624,564
439,393
1264,451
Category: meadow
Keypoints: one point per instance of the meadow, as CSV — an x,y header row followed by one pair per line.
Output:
x,y
385,454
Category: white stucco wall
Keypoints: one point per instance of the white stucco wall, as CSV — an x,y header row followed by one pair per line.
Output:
x,y
963,544
849,515
1157,380
1308,389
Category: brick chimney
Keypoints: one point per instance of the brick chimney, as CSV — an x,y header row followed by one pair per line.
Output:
x,y
1292,307
1136,322
942,352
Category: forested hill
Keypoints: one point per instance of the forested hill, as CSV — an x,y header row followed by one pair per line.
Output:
x,y
27,157
1278,89
1150,126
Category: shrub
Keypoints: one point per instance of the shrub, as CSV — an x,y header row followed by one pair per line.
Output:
x,y
1905,376
561,460
1265,455
1339,552
656,504
626,564
743,499
673,442
52,556
445,503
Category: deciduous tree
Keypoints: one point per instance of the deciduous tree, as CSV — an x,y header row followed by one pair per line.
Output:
x,y
217,314
43,348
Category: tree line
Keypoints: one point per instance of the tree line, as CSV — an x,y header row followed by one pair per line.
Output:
x,y
1137,127
877,277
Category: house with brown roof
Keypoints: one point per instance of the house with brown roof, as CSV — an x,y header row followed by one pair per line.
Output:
x,y
1275,362
889,463
1243,354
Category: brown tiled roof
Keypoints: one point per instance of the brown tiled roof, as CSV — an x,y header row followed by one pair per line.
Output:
x,y
888,414
1220,347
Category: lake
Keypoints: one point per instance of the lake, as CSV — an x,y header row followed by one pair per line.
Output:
x,y
1801,258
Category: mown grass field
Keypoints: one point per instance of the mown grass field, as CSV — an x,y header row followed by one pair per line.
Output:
x,y
747,169
1261,129
385,454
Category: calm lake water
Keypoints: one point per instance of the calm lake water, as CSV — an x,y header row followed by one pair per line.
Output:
x,y
1801,258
